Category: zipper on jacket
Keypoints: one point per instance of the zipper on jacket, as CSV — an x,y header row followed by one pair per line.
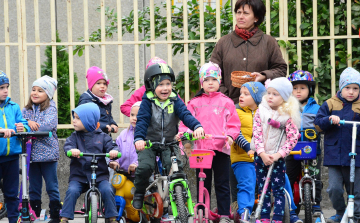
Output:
x,y
162,124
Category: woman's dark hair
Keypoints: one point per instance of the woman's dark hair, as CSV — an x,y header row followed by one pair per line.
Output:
x,y
43,106
257,6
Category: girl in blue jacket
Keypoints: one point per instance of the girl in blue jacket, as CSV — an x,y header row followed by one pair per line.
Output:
x,y
41,114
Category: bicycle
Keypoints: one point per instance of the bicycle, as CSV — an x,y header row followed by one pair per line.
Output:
x,y
3,212
175,186
93,199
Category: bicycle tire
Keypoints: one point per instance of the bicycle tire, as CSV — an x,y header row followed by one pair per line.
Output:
x,y
200,215
307,203
180,205
94,207
286,218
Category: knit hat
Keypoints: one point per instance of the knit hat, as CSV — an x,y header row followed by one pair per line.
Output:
x,y
210,70
349,76
158,78
136,104
155,60
94,74
283,86
256,90
89,115
48,84
3,78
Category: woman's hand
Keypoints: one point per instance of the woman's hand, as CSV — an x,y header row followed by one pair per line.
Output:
x,y
199,132
114,165
266,159
335,119
7,132
19,127
259,77
75,153
34,126
275,157
140,145
132,168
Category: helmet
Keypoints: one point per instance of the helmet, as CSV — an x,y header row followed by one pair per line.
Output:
x,y
154,70
303,77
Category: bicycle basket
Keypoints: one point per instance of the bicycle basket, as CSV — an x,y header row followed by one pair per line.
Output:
x,y
201,158
308,150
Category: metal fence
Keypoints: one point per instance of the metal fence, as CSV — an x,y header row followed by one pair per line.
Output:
x,y
23,44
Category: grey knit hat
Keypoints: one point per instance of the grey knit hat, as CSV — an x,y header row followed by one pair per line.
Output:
x,y
283,86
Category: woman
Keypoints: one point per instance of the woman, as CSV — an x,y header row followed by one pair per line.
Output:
x,y
247,48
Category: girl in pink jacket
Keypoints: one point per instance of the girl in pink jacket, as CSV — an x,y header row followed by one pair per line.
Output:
x,y
217,114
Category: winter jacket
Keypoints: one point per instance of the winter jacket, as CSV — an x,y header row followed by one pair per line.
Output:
x,y
337,139
89,142
44,149
135,97
105,110
217,114
125,142
260,53
156,121
241,144
10,114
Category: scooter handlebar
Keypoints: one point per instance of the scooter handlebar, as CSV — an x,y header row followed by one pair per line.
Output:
x,y
29,134
69,154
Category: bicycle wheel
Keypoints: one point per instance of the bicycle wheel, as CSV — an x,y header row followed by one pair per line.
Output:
x,y
93,209
180,205
307,203
286,218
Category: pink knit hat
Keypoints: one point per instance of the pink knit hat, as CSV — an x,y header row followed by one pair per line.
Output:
x,y
94,74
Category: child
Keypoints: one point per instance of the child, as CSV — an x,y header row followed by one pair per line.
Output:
x,y
210,102
125,142
88,138
303,89
10,148
345,105
242,165
278,104
41,114
98,83
158,118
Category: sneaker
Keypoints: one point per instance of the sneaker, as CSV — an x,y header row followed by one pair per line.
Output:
x,y
316,210
64,221
334,219
294,218
224,219
138,201
265,220
274,221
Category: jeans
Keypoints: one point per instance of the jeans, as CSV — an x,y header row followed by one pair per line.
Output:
x,y
76,188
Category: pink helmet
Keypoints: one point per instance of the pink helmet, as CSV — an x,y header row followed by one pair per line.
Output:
x,y
155,60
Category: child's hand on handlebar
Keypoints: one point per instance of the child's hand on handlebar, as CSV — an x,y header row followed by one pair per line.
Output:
x,y
34,126
266,159
114,165
19,127
199,132
178,136
230,140
114,128
113,154
132,168
75,153
335,119
7,132
140,145
275,157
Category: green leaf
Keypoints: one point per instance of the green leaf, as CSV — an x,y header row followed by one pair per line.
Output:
x,y
80,52
304,25
282,43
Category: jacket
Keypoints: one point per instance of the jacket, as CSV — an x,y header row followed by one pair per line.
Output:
x,y
125,142
135,97
337,139
238,153
155,121
105,110
88,142
217,114
10,114
260,53
44,149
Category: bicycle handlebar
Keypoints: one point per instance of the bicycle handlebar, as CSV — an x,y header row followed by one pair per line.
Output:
x,y
69,154
29,134
343,122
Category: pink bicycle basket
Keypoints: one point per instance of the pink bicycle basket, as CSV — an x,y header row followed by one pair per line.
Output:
x,y
201,159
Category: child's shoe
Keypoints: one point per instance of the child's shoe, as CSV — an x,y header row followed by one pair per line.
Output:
x,y
265,220
334,219
224,219
274,221
294,218
316,210
138,200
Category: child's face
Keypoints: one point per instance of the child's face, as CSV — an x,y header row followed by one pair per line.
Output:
x,y
4,92
350,92
163,90
133,114
99,88
273,98
38,95
210,84
301,91
245,99
77,123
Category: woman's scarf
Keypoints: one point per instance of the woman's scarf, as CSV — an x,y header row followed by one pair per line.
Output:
x,y
245,34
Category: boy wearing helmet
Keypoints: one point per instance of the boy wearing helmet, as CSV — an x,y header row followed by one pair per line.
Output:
x,y
303,89
159,115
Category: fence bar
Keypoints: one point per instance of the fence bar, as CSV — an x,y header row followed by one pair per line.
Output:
x,y
283,29
268,17
7,39
168,32
37,39
53,40
234,14
23,72
332,48
218,20
86,36
202,45
349,41
315,45
298,33
136,38
71,58
186,51
152,28
120,59
103,36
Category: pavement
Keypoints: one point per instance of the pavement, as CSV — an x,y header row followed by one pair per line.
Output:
x,y
79,219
